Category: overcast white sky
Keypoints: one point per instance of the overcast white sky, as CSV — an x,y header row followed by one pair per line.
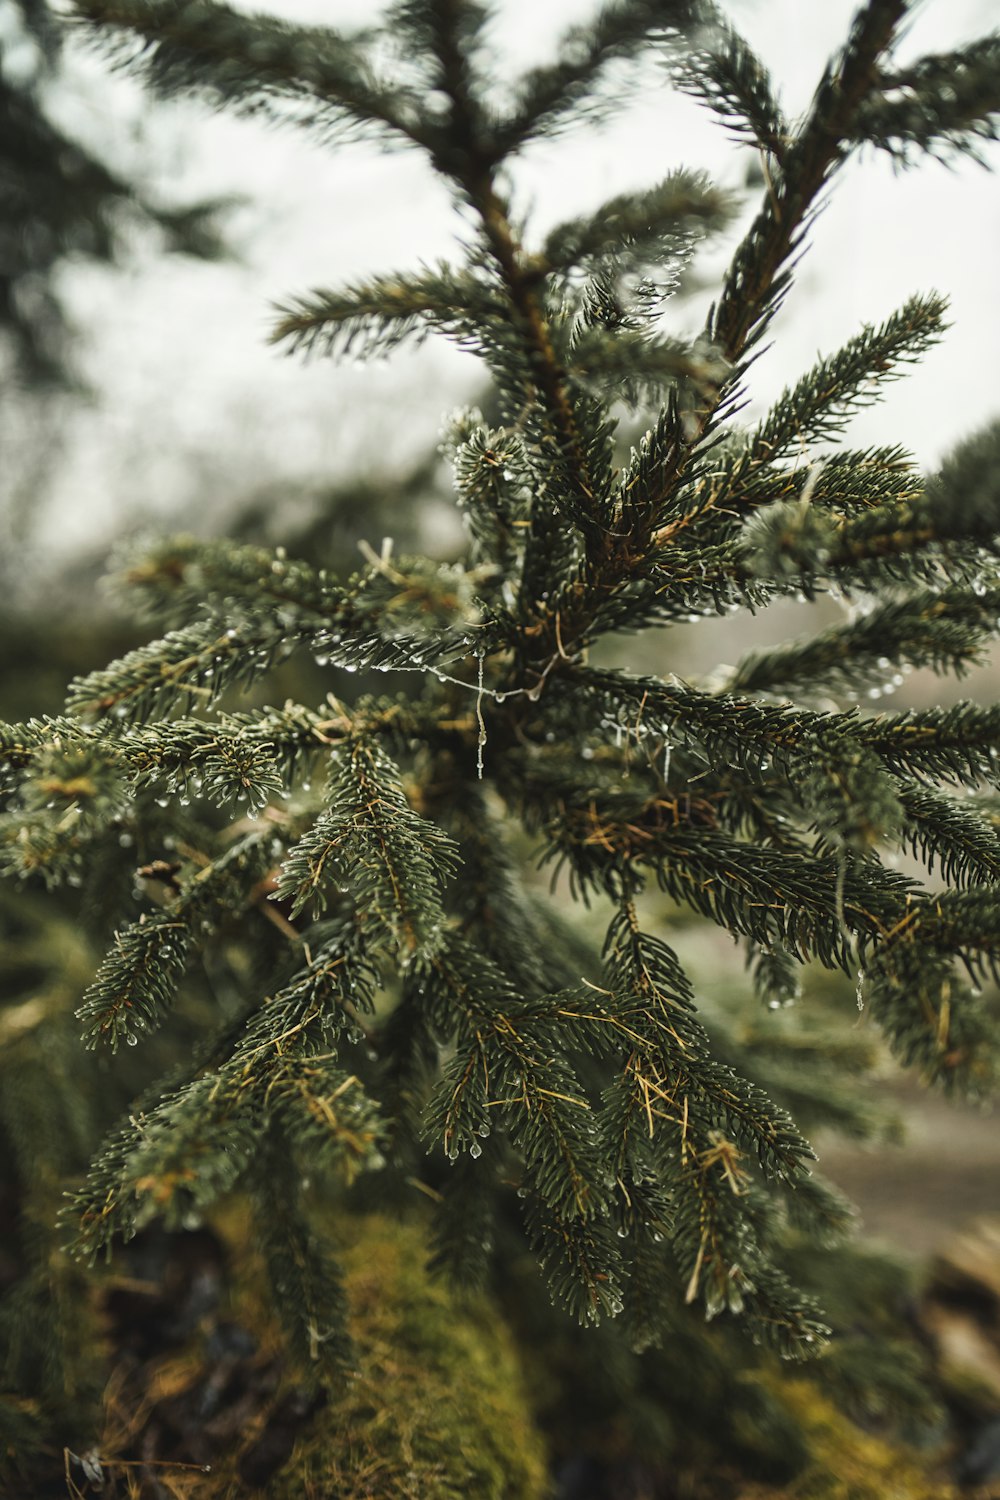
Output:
x,y
193,407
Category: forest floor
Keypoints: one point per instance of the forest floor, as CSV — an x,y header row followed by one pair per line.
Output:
x,y
915,1196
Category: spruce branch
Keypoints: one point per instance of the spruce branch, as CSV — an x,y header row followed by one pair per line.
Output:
x,y
758,275
950,835
721,70
173,1158
657,225
928,1014
946,630
252,61
135,985
957,510
548,94
960,744
199,663
819,405
306,1280
371,319
369,840
944,103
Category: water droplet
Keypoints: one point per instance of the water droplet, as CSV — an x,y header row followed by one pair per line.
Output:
x,y
131,1040
475,1150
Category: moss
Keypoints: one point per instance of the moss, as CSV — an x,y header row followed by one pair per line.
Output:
x,y
846,1463
436,1410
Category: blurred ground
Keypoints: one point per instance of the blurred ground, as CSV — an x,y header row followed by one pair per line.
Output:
x,y
915,1196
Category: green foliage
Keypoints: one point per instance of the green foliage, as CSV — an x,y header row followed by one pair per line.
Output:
x,y
417,1019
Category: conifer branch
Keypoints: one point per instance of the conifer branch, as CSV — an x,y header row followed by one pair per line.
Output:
x,y
960,744
821,403
945,630
549,93
723,72
952,836
945,102
758,275
246,61
199,663
370,320
656,225
369,839
135,985
306,1280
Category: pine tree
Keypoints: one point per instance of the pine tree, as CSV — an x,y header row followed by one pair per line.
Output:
x,y
398,1017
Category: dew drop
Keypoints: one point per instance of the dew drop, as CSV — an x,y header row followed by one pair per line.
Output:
x,y
475,1150
131,1040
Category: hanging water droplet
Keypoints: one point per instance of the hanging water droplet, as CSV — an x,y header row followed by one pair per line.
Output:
x,y
475,1150
131,1040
